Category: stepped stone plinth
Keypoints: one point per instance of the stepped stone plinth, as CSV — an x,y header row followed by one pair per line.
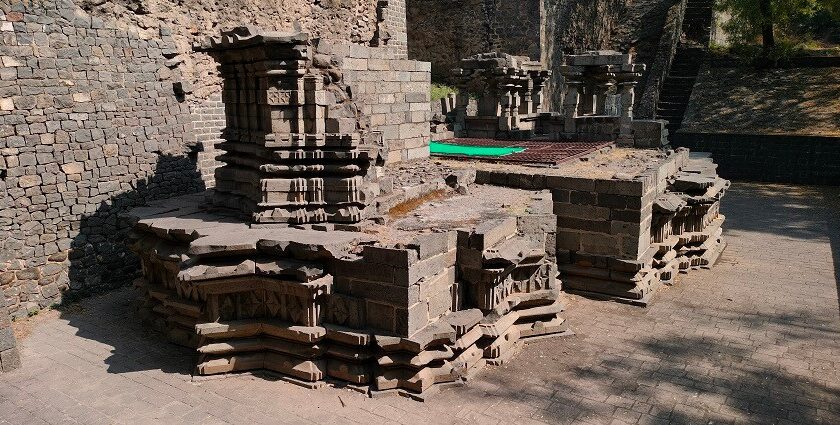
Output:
x,y
325,278
396,308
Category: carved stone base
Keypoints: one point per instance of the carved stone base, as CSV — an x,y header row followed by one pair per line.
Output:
x,y
422,309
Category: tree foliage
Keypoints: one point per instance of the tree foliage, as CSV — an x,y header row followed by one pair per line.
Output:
x,y
787,19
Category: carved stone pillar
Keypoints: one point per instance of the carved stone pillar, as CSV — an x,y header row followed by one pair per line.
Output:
x,y
627,91
571,100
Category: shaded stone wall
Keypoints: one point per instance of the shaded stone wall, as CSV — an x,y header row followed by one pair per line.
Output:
x,y
651,29
769,157
104,105
444,32
88,114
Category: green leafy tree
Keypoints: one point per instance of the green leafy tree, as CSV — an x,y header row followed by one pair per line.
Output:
x,y
769,19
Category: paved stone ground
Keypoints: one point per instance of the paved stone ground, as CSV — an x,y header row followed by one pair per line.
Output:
x,y
757,339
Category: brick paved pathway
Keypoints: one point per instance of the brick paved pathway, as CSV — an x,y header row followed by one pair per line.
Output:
x,y
757,339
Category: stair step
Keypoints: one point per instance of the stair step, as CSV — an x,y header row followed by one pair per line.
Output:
x,y
666,98
683,73
670,112
678,87
677,90
671,106
683,69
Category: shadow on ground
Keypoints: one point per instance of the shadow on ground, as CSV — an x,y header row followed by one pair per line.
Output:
x,y
100,260
696,358
798,212
686,360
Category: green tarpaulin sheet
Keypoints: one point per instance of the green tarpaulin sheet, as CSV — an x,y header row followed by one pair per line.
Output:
x,y
447,149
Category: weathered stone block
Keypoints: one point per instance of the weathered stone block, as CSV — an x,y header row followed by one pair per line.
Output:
x,y
588,212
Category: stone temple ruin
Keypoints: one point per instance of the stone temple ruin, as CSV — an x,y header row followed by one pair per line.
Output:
x,y
313,259
599,92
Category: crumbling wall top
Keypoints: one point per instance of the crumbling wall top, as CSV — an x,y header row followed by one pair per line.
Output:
x,y
247,36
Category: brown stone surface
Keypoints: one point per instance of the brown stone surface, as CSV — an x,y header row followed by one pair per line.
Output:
x,y
792,101
754,341
604,164
370,306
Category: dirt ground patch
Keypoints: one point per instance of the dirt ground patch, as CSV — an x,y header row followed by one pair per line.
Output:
x,y
801,101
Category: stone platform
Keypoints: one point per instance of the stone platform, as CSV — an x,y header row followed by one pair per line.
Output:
x,y
378,307
627,220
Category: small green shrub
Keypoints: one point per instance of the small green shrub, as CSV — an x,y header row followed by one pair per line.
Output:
x,y
440,91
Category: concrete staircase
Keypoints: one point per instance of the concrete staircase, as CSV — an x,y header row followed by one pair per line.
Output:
x,y
676,89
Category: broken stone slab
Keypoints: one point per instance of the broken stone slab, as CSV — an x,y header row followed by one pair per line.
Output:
x,y
461,179
463,320
488,233
438,332
513,251
431,244
669,203
272,327
418,360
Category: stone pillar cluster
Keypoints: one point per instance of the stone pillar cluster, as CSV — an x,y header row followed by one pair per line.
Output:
x,y
591,79
510,91
295,152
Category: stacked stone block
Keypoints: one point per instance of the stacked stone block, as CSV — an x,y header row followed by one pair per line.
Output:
x,y
318,305
622,237
687,226
208,124
392,93
391,26
603,229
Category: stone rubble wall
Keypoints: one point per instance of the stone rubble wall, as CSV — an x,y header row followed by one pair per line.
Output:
x,y
9,356
90,124
192,21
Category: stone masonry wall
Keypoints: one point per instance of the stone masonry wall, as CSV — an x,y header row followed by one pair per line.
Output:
x,y
444,32
90,125
769,157
104,105
393,93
